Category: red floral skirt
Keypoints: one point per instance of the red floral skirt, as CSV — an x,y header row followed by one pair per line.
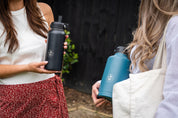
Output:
x,y
44,99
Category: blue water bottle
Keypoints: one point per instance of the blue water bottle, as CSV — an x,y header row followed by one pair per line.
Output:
x,y
116,70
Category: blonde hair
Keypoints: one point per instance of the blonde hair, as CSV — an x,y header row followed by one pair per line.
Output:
x,y
152,19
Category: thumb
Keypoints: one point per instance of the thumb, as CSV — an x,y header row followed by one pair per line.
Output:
x,y
96,92
43,63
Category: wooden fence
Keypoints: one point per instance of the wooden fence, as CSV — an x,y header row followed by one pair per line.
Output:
x,y
97,28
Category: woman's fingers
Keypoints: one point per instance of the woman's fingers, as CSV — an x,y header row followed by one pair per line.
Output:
x,y
65,43
94,97
43,63
101,103
97,102
95,90
38,67
94,93
66,36
48,71
35,66
65,47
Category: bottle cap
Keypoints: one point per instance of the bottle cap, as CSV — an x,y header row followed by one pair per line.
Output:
x,y
60,19
58,24
119,49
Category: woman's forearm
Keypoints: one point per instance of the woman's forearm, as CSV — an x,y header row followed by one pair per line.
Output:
x,y
10,70
37,67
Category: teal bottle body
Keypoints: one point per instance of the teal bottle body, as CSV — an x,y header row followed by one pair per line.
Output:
x,y
116,70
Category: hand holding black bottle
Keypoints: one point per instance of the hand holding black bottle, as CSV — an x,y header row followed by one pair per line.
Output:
x,y
55,46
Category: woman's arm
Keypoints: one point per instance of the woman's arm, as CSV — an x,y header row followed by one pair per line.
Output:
x,y
37,67
9,70
169,106
47,12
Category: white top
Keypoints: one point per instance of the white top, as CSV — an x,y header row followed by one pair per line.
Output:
x,y
168,108
32,48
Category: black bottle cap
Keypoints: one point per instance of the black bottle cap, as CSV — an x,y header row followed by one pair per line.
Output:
x,y
58,24
120,49
60,19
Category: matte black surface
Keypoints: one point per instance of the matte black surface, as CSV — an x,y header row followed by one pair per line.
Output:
x,y
97,28
54,53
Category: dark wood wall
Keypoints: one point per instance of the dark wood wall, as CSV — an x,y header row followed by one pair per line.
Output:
x,y
97,28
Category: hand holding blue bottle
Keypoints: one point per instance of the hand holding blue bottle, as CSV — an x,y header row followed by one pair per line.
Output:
x,y
116,70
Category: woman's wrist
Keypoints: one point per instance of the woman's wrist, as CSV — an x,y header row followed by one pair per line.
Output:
x,y
26,68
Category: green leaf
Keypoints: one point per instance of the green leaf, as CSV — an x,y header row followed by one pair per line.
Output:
x,y
73,47
74,61
75,56
70,57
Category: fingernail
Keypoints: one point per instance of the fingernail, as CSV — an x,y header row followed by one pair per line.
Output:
x,y
46,61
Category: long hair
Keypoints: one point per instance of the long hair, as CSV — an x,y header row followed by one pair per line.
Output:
x,y
152,19
34,17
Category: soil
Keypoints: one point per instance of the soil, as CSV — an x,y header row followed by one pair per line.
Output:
x,y
76,99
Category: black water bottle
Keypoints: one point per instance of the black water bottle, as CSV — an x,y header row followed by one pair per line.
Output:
x,y
55,43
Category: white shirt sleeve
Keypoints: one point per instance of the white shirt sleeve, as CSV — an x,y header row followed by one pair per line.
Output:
x,y
168,108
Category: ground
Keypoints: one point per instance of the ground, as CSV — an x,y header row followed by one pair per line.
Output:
x,y
80,105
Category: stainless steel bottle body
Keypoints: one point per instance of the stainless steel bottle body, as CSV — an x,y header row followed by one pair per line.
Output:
x,y
116,70
55,49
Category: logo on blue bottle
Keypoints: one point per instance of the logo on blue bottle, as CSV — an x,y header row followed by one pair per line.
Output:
x,y
109,77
